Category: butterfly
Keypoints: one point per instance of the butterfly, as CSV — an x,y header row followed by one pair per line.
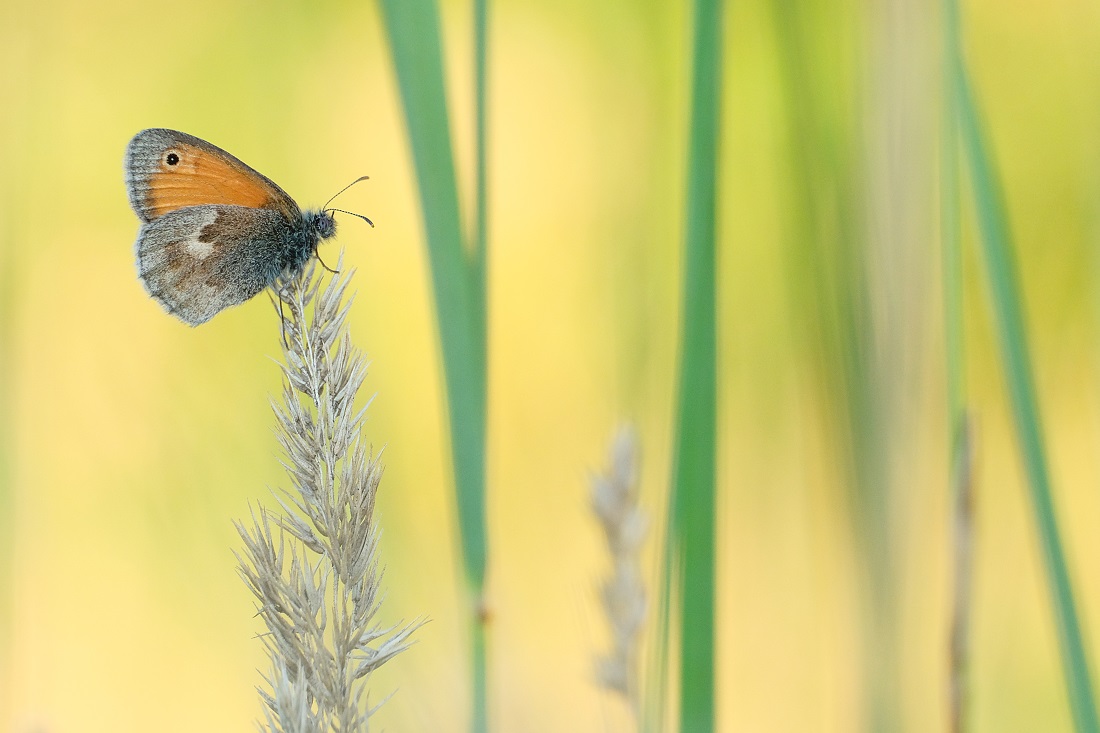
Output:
x,y
214,232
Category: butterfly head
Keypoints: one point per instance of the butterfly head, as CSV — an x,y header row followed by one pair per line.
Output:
x,y
320,224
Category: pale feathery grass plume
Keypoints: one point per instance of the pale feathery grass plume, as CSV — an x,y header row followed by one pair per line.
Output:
x,y
314,567
615,502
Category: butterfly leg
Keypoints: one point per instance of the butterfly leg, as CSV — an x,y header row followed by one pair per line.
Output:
x,y
334,272
282,320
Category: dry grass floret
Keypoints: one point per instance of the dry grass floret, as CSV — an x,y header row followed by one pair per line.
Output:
x,y
615,501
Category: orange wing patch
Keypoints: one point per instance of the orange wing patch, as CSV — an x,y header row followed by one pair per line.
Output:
x,y
190,176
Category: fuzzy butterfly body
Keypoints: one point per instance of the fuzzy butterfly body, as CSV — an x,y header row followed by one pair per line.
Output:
x,y
214,231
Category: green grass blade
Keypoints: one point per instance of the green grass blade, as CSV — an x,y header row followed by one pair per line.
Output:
x,y
1001,272
479,279
695,449
831,290
413,30
481,214
960,436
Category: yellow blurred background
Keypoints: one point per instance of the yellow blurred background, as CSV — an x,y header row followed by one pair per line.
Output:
x,y
129,443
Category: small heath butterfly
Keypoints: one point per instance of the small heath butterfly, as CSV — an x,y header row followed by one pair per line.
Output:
x,y
214,232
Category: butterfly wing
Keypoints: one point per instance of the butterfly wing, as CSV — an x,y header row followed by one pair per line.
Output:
x,y
168,170
199,260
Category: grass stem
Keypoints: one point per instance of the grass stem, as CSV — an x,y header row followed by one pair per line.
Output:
x,y
458,280
695,449
1001,275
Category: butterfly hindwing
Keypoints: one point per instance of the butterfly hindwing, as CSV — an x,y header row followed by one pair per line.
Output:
x,y
168,170
200,260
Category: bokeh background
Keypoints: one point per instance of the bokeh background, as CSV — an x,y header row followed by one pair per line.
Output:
x,y
129,443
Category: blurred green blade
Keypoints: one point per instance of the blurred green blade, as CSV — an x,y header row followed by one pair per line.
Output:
x,y
413,28
478,269
1000,268
481,217
833,291
959,440
458,283
695,450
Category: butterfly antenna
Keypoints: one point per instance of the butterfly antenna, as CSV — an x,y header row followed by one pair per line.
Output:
x,y
352,213
345,188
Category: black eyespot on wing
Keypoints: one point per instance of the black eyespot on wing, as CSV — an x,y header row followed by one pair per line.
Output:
x,y
201,174
172,159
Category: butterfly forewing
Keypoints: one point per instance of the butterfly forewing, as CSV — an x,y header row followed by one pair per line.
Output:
x,y
168,170
200,260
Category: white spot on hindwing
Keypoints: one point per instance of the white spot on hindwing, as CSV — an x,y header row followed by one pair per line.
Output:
x,y
193,244
199,249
